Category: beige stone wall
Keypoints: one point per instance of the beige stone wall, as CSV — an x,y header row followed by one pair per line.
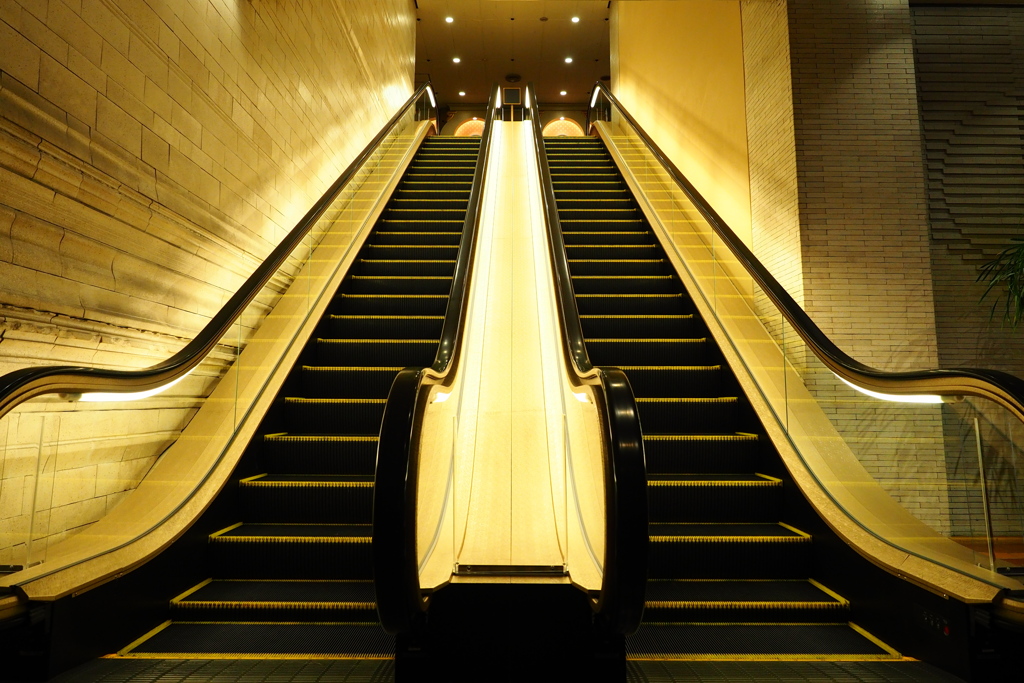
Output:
x,y
774,200
863,227
151,154
971,92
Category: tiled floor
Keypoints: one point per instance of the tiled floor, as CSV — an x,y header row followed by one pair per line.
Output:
x,y
364,671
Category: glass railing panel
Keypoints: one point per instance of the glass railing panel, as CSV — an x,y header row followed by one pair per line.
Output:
x,y
908,473
68,461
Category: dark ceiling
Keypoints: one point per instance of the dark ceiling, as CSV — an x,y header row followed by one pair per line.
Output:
x,y
495,38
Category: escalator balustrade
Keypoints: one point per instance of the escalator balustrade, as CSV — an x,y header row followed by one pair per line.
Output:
x,y
728,579
294,575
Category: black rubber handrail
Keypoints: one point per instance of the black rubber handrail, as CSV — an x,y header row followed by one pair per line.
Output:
x,y
23,384
395,565
621,602
1001,387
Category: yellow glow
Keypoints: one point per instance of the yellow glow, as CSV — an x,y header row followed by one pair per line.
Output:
x,y
895,398
101,396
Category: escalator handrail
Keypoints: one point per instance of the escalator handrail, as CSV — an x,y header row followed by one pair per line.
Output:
x,y
1001,387
23,384
621,603
395,566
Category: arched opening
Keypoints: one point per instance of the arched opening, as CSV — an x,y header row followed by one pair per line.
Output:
x,y
562,126
471,127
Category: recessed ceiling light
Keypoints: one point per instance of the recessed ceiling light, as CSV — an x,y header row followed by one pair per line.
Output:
x,y
561,118
568,60
562,93
575,20
462,93
456,60
449,19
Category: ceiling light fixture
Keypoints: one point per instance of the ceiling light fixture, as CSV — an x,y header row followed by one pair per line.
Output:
x,y
561,92
456,60
449,20
561,118
462,93
575,20
568,60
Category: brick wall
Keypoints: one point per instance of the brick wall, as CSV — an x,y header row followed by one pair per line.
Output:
x,y
839,215
971,92
151,154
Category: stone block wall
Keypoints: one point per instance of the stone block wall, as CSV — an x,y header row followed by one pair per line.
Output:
x,y
151,154
971,93
839,215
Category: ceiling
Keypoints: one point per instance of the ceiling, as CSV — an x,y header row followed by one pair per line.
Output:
x,y
493,38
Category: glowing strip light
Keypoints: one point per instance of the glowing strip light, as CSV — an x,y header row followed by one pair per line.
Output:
x,y
430,94
103,396
527,105
593,98
895,398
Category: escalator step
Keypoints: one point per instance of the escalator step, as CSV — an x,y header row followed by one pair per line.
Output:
x,y
678,380
346,382
383,326
398,284
449,237
404,267
623,304
742,601
302,454
624,284
307,499
715,414
728,551
753,641
376,352
411,251
285,600
617,352
701,453
599,237
611,251
334,415
293,551
193,640
390,304
713,498
618,267
657,326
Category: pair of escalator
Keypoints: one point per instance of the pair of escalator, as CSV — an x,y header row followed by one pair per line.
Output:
x,y
728,576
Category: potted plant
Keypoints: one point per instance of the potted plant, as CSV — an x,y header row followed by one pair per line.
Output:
x,y
1005,276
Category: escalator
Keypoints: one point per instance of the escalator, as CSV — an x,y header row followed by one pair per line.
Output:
x,y
293,575
729,578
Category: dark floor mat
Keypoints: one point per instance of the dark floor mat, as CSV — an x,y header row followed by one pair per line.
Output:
x,y
284,591
715,640
786,672
187,638
739,591
231,671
